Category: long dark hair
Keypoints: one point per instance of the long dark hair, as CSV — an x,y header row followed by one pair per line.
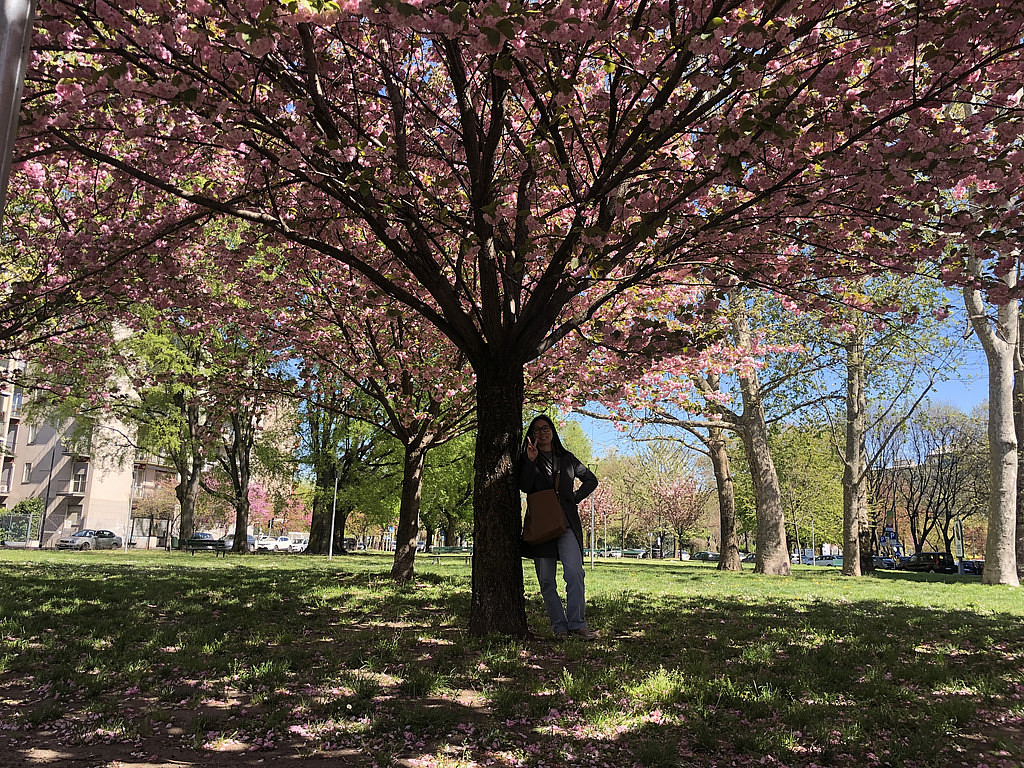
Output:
x,y
557,449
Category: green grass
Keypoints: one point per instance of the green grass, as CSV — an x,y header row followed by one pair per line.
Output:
x,y
694,667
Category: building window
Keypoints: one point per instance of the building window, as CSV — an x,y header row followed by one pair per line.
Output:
x,y
17,398
32,430
26,476
78,482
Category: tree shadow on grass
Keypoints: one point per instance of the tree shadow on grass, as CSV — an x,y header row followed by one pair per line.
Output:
x,y
205,664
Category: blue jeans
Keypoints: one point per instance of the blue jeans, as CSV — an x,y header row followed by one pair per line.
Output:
x,y
572,617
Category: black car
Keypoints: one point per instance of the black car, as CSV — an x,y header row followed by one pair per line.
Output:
x,y
931,562
974,567
881,561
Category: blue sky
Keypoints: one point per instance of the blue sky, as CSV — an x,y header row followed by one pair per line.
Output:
x,y
967,390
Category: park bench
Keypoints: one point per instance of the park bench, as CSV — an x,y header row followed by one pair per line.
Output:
x,y
436,553
205,545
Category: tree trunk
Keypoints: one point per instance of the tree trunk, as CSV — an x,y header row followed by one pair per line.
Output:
x,y
772,555
188,461
730,554
409,513
1018,423
187,492
855,459
320,519
238,463
497,603
1000,346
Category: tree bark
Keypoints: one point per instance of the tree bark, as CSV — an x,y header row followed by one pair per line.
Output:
x,y
1000,344
187,491
188,461
730,554
772,556
855,459
1018,423
497,603
238,462
409,513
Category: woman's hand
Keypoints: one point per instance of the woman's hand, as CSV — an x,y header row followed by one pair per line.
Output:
x,y
531,449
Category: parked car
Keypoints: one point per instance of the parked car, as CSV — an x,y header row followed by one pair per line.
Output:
x,y
639,554
931,562
299,545
202,535
883,562
90,539
974,567
710,557
748,557
830,560
229,542
272,543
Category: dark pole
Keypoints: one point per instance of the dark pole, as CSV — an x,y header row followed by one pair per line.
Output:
x,y
46,500
15,36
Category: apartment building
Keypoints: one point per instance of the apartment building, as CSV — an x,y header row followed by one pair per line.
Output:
x,y
90,486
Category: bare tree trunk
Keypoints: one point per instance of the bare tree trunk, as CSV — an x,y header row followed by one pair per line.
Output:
x,y
855,459
188,461
1000,344
497,603
238,462
1018,423
187,491
772,557
409,513
730,554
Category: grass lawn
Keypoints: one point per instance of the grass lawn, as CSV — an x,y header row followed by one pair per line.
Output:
x,y
157,659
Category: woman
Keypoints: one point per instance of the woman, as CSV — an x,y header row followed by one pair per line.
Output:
x,y
541,460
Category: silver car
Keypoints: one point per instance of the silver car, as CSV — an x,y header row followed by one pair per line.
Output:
x,y
90,539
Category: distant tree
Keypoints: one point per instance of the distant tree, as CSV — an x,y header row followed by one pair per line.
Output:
x,y
344,455
447,505
811,482
942,476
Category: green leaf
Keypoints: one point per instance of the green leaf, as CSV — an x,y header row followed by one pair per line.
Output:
x,y
736,168
507,28
265,15
493,36
459,13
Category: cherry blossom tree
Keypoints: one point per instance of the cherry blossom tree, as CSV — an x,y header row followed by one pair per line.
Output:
x,y
505,170
411,382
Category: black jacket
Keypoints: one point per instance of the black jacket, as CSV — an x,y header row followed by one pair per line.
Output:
x,y
538,476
